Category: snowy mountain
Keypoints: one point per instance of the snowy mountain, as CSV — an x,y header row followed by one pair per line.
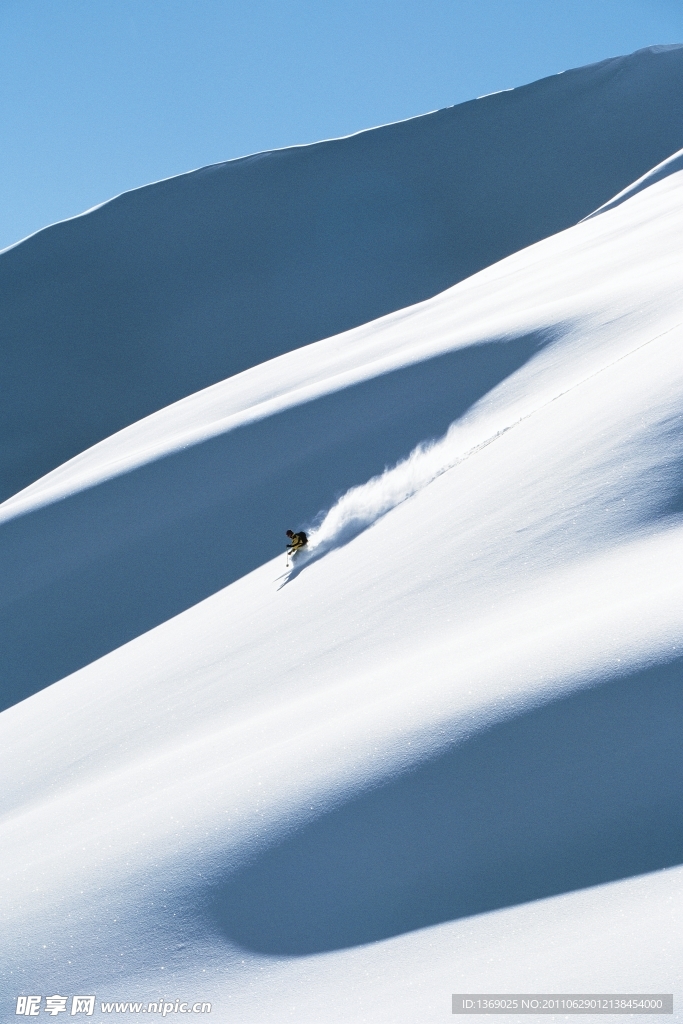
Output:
x,y
93,572
168,289
441,751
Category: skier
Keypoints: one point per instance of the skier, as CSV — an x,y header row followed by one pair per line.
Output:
x,y
296,541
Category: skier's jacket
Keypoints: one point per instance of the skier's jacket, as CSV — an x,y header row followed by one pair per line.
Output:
x,y
297,540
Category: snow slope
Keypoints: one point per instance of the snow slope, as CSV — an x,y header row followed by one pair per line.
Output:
x,y
168,289
119,539
439,754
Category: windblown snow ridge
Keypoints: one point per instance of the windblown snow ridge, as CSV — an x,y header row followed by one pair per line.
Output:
x,y
671,165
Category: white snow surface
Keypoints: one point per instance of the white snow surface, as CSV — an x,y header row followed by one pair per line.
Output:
x,y
439,753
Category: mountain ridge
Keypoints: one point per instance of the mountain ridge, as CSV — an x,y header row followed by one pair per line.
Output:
x,y
170,288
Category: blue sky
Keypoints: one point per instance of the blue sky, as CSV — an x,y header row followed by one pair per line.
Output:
x,y
100,96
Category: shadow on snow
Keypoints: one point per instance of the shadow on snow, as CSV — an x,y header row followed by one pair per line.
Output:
x,y
82,576
579,792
